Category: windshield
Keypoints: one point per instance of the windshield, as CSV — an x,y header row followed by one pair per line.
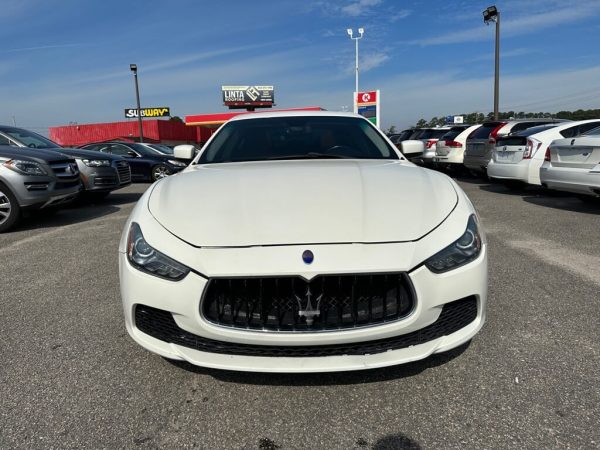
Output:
x,y
29,138
165,150
304,137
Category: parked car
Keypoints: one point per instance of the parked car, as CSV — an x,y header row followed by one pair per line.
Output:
x,y
146,164
429,136
33,180
518,157
160,148
481,143
573,165
402,136
450,149
100,173
298,242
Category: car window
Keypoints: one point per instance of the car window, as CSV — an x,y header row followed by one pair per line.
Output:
x,y
29,138
483,132
570,132
589,129
121,150
4,140
301,137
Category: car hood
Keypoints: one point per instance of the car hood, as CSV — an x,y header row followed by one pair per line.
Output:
x,y
28,154
91,154
302,202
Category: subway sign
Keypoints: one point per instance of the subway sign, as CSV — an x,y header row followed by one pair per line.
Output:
x,y
131,113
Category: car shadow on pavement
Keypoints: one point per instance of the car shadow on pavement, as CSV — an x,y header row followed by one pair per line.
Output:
x,y
327,378
567,203
80,210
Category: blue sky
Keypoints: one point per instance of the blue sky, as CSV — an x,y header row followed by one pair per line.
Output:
x,y
68,60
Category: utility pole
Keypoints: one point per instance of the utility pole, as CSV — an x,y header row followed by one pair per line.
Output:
x,y
491,14
133,68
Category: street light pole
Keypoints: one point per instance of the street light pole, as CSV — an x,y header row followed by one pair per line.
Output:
x,y
133,68
491,14
361,31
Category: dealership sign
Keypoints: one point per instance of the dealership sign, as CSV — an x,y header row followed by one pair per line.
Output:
x,y
455,119
131,113
367,105
242,96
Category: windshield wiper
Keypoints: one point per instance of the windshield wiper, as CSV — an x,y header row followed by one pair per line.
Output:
x,y
310,155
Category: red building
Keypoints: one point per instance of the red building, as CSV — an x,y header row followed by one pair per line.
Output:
x,y
159,131
197,129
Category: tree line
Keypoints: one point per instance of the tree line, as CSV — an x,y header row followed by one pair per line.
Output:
x,y
478,117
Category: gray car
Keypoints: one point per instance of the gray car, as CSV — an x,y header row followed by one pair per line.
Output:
x,y
34,179
101,173
481,143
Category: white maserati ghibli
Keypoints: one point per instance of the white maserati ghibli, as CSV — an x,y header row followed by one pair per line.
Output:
x,y
302,242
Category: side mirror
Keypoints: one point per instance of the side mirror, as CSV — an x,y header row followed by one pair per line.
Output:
x,y
184,151
412,148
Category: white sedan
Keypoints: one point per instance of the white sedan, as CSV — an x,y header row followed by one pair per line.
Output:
x,y
302,242
519,157
573,165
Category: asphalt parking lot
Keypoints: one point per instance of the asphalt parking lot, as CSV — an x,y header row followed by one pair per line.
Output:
x,y
71,376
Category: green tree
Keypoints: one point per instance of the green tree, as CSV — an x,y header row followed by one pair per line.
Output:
x,y
421,123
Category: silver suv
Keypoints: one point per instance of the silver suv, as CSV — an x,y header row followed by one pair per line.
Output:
x,y
34,179
481,143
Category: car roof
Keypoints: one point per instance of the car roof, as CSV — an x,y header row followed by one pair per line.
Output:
x,y
269,115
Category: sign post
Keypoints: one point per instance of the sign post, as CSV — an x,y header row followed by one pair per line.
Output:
x,y
367,104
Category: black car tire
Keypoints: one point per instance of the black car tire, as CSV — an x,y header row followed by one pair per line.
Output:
x,y
160,171
10,214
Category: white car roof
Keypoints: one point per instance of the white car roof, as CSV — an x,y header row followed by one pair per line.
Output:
x,y
268,115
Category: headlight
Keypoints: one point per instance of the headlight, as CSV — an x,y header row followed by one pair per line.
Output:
x,y
459,253
96,162
177,163
145,258
25,167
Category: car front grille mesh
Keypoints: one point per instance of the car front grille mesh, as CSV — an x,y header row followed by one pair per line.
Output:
x,y
124,172
160,324
292,304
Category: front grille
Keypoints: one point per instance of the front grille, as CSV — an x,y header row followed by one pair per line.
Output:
x,y
292,304
65,170
124,172
161,325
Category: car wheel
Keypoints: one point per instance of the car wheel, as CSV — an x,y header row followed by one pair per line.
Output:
x,y
159,172
10,211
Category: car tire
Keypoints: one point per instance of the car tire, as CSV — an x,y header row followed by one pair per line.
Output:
x,y
159,172
10,211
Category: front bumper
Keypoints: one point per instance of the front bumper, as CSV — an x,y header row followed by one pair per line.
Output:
x,y
37,192
102,179
182,300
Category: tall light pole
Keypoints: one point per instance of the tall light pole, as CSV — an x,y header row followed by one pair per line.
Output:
x,y
133,68
491,14
361,31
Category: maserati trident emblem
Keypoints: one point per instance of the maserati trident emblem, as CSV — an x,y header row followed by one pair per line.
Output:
x,y
308,310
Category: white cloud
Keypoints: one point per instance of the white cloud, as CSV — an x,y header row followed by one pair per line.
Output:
x,y
528,23
373,60
401,14
359,7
